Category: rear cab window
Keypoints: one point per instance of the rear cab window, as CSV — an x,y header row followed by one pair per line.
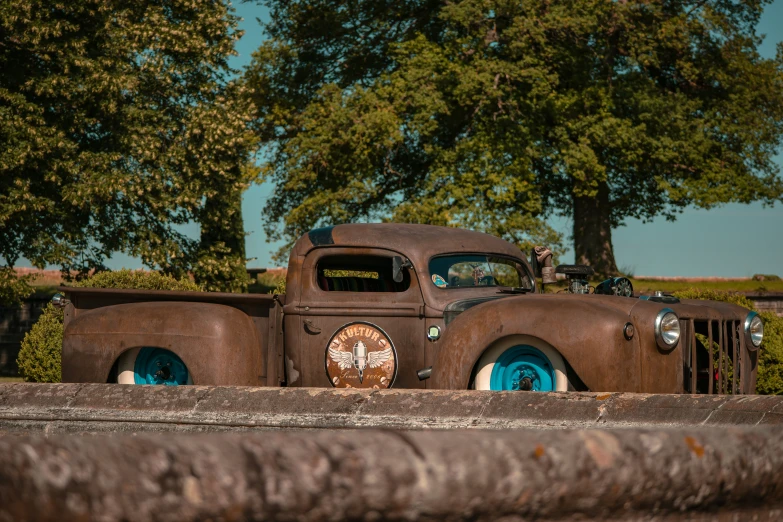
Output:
x,y
359,273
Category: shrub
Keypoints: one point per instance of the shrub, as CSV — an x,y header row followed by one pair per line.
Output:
x,y
770,373
40,358
770,364
137,279
766,277
280,288
716,295
269,283
13,289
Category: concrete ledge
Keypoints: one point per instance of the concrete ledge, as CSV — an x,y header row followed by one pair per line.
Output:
x,y
634,474
93,408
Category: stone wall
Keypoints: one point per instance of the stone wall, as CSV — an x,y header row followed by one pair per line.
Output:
x,y
14,323
771,302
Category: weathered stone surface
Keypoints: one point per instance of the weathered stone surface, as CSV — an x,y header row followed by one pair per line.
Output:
x,y
55,408
633,474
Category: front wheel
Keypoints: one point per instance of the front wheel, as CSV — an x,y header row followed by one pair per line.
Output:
x,y
152,366
521,365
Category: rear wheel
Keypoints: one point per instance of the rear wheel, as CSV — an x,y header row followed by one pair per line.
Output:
x,y
521,365
152,366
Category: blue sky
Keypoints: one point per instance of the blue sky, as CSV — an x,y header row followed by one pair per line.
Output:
x,y
731,241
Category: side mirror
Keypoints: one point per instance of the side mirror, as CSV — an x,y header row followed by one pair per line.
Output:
x,y
398,263
397,269
60,301
534,264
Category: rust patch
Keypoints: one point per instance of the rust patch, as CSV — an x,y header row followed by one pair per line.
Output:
x,y
694,446
603,396
539,452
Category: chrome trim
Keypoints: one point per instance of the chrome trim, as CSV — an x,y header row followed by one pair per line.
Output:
x,y
658,335
748,337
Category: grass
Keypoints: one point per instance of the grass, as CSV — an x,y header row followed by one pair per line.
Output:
x,y
10,379
747,285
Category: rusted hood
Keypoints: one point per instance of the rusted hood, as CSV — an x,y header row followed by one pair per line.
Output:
x,y
547,301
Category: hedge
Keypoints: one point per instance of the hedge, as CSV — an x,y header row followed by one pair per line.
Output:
x,y
770,368
40,357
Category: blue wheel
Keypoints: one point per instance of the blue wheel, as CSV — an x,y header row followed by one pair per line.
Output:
x,y
522,368
515,366
152,366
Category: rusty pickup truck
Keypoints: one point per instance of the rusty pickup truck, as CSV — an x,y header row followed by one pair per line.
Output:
x,y
414,306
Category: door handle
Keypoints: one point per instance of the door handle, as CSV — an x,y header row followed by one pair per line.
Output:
x,y
311,328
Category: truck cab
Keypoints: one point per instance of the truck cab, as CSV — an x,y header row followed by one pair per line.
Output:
x,y
343,276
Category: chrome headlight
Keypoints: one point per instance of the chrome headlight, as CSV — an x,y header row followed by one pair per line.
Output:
x,y
60,301
667,329
754,329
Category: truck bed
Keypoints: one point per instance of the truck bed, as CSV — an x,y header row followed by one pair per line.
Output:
x,y
264,310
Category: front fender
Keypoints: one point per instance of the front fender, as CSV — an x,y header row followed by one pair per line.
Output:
x,y
587,333
217,343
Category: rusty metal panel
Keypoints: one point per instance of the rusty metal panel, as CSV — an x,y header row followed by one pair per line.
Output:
x,y
591,340
397,317
275,346
711,370
694,366
221,337
209,338
737,360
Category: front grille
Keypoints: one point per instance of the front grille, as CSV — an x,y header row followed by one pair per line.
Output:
x,y
727,368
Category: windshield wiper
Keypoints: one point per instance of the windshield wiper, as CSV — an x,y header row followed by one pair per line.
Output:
x,y
515,290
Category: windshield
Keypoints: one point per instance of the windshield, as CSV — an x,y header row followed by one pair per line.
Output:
x,y
471,270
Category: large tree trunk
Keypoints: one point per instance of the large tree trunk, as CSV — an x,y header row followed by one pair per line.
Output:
x,y
593,232
221,263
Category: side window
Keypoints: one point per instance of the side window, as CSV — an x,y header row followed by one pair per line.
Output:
x,y
348,273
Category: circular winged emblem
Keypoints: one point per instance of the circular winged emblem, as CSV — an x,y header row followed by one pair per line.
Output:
x,y
361,355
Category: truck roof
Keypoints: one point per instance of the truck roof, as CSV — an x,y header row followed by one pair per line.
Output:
x,y
418,242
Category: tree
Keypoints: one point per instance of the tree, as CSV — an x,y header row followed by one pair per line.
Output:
x,y
119,122
498,114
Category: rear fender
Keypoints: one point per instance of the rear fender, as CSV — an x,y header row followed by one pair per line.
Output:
x,y
588,334
217,343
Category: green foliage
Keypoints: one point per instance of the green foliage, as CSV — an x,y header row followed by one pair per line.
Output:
x,y
770,363
268,283
279,288
13,289
351,273
40,358
494,114
137,279
648,286
118,123
716,295
766,277
770,373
